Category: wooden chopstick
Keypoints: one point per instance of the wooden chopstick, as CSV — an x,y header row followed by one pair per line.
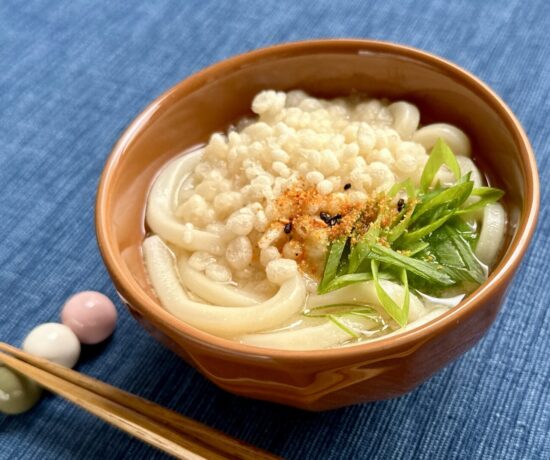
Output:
x,y
119,416
177,435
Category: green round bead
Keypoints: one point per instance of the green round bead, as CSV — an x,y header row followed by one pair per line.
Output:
x,y
17,393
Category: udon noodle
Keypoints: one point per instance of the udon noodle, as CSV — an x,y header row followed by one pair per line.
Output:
x,y
245,232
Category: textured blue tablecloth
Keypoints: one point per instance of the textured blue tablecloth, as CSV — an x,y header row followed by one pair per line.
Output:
x,y
75,73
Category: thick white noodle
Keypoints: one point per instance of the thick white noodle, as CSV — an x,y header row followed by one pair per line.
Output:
x,y
431,315
454,137
211,291
447,178
324,335
222,321
328,334
492,233
230,312
468,166
406,117
366,293
161,202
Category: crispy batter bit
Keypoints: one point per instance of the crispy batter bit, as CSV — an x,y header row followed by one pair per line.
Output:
x,y
311,220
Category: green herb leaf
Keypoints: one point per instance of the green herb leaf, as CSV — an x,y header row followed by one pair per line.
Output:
x,y
464,229
352,278
342,326
415,247
362,248
444,250
344,259
426,270
449,198
332,263
416,235
365,314
440,155
345,280
435,245
471,263
406,185
486,194
335,311
342,309
400,315
398,230
452,250
488,191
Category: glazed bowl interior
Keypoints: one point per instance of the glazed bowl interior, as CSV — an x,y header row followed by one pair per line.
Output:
x,y
212,100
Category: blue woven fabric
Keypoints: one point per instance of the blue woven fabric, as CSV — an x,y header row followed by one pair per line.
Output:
x,y
75,73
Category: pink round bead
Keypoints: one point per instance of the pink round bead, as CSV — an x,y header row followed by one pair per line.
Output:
x,y
90,315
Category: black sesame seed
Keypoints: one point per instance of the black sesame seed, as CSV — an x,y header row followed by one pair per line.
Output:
x,y
334,220
288,227
347,186
325,217
400,204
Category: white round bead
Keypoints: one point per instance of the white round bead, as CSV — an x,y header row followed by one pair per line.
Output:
x,y
54,342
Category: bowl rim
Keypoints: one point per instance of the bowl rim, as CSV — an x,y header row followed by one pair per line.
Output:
x,y
134,295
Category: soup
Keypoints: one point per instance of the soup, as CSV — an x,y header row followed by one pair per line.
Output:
x,y
321,223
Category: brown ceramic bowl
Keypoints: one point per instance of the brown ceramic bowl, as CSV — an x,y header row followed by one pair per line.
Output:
x,y
210,101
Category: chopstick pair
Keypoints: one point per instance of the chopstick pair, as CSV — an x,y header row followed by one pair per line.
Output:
x,y
170,432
